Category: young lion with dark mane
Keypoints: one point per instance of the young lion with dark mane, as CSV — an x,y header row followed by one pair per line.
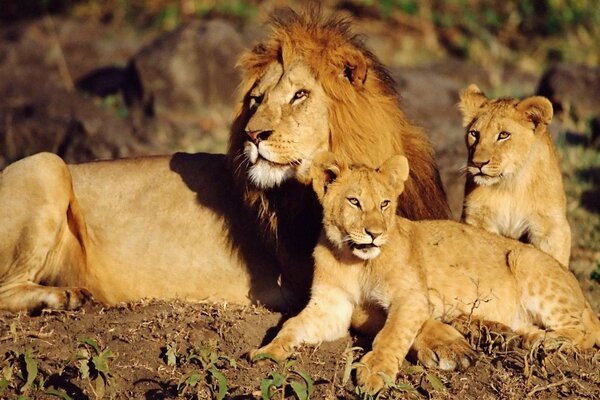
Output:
x,y
421,270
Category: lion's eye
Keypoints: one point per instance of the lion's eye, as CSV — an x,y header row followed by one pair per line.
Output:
x,y
474,134
255,100
300,94
354,201
503,135
384,204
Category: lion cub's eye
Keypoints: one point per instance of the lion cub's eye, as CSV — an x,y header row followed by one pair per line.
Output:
x,y
300,94
354,201
384,204
474,134
503,135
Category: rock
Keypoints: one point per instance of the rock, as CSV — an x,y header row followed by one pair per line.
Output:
x,y
573,91
189,74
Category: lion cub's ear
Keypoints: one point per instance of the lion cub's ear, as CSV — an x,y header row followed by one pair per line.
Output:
x,y
471,99
396,170
324,169
537,109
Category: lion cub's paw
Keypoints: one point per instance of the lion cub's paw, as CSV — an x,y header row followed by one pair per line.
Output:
x,y
375,366
455,354
274,351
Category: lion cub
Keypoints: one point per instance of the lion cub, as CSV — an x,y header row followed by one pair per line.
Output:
x,y
418,271
514,185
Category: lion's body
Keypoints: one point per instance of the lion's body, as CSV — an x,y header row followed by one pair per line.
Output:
x,y
518,192
420,271
238,227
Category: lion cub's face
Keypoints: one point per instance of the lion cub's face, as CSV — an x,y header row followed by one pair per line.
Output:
x,y
500,133
359,204
288,123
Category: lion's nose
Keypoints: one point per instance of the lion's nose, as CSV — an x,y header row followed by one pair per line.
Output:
x,y
480,164
258,135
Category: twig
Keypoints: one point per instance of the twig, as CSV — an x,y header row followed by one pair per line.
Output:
x,y
549,386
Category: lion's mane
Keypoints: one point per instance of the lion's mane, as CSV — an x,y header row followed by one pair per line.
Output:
x,y
367,125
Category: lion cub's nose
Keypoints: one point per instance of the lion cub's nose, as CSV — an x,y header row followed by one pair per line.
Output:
x,y
374,233
258,135
480,164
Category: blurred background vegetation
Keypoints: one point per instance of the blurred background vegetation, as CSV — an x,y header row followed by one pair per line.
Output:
x,y
530,34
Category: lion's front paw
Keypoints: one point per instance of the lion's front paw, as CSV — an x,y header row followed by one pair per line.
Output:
x,y
275,351
375,366
448,355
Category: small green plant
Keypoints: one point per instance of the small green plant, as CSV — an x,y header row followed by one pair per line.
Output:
x,y
20,375
288,375
206,374
93,366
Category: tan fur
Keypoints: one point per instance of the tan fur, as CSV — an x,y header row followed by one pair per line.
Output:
x,y
424,274
518,192
196,226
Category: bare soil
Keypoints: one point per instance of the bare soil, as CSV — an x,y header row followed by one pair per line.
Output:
x,y
152,345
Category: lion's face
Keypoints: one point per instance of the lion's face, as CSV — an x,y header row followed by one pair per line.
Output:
x,y
500,133
358,203
288,124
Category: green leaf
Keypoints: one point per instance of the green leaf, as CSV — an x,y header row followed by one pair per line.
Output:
x,y
308,380
3,384
435,382
230,360
265,388
221,382
58,393
92,343
101,361
388,380
31,369
171,354
300,390
407,387
415,369
84,369
265,356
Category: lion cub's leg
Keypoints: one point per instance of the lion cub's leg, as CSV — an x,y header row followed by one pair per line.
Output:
x,y
555,240
325,318
41,231
405,318
552,296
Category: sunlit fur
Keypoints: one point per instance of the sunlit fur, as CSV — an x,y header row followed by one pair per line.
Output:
x,y
518,192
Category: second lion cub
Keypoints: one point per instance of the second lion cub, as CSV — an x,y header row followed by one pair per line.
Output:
x,y
514,184
418,271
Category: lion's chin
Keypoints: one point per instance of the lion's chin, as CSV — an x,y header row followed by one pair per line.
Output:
x,y
266,175
486,180
366,253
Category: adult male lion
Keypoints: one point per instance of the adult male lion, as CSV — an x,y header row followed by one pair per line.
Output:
x,y
238,228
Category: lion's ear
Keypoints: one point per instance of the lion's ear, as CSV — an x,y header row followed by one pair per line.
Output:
x,y
396,170
355,66
537,109
471,99
324,169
